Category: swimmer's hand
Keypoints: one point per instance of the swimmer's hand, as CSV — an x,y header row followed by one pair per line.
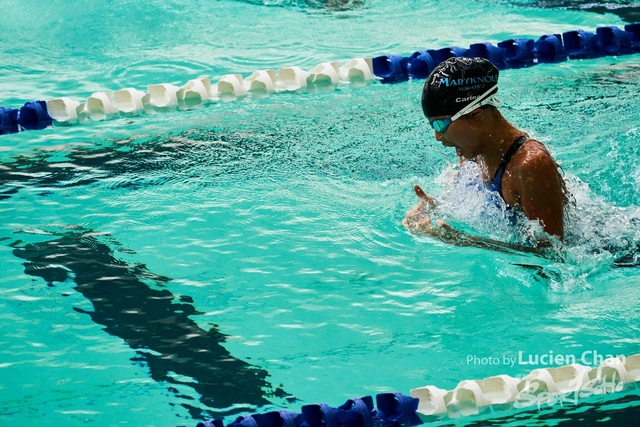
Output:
x,y
440,229
419,214
424,197
418,219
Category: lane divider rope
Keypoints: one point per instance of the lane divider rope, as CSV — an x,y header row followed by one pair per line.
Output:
x,y
165,97
567,384
563,385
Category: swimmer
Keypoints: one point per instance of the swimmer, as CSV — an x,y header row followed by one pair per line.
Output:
x,y
459,100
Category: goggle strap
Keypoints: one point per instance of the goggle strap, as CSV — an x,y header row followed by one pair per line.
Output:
x,y
475,104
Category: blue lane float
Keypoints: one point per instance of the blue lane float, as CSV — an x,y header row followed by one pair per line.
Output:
x,y
34,116
280,418
518,52
549,49
160,98
31,116
358,413
391,68
582,44
398,409
320,415
8,121
615,41
634,29
421,64
440,55
394,410
495,54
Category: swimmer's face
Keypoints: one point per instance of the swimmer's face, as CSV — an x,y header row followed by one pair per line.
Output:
x,y
455,134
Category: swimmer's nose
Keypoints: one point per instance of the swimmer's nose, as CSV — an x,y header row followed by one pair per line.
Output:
x,y
438,135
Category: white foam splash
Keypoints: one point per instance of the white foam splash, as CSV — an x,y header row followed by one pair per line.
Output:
x,y
467,203
598,234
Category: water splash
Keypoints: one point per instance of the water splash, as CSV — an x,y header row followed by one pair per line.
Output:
x,y
599,233
465,200
599,236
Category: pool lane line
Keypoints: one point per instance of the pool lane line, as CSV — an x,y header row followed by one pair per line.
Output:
x,y
391,68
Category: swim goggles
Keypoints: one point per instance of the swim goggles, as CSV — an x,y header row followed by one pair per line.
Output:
x,y
442,125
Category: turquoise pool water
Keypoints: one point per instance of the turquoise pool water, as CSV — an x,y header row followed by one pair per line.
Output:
x,y
169,268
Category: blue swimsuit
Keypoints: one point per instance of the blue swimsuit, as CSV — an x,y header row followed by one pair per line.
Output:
x,y
496,182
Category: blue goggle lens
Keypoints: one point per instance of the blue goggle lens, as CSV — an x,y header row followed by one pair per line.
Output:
x,y
441,126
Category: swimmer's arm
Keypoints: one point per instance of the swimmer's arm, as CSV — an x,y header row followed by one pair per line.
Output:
x,y
447,234
417,223
540,192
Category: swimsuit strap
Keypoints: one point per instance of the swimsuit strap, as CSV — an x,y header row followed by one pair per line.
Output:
x,y
496,182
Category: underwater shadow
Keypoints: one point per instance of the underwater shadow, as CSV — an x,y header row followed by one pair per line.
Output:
x,y
153,322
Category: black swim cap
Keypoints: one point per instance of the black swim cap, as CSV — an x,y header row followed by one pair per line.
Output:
x,y
455,83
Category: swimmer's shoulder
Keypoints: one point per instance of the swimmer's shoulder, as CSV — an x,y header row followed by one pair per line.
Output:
x,y
531,166
531,160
